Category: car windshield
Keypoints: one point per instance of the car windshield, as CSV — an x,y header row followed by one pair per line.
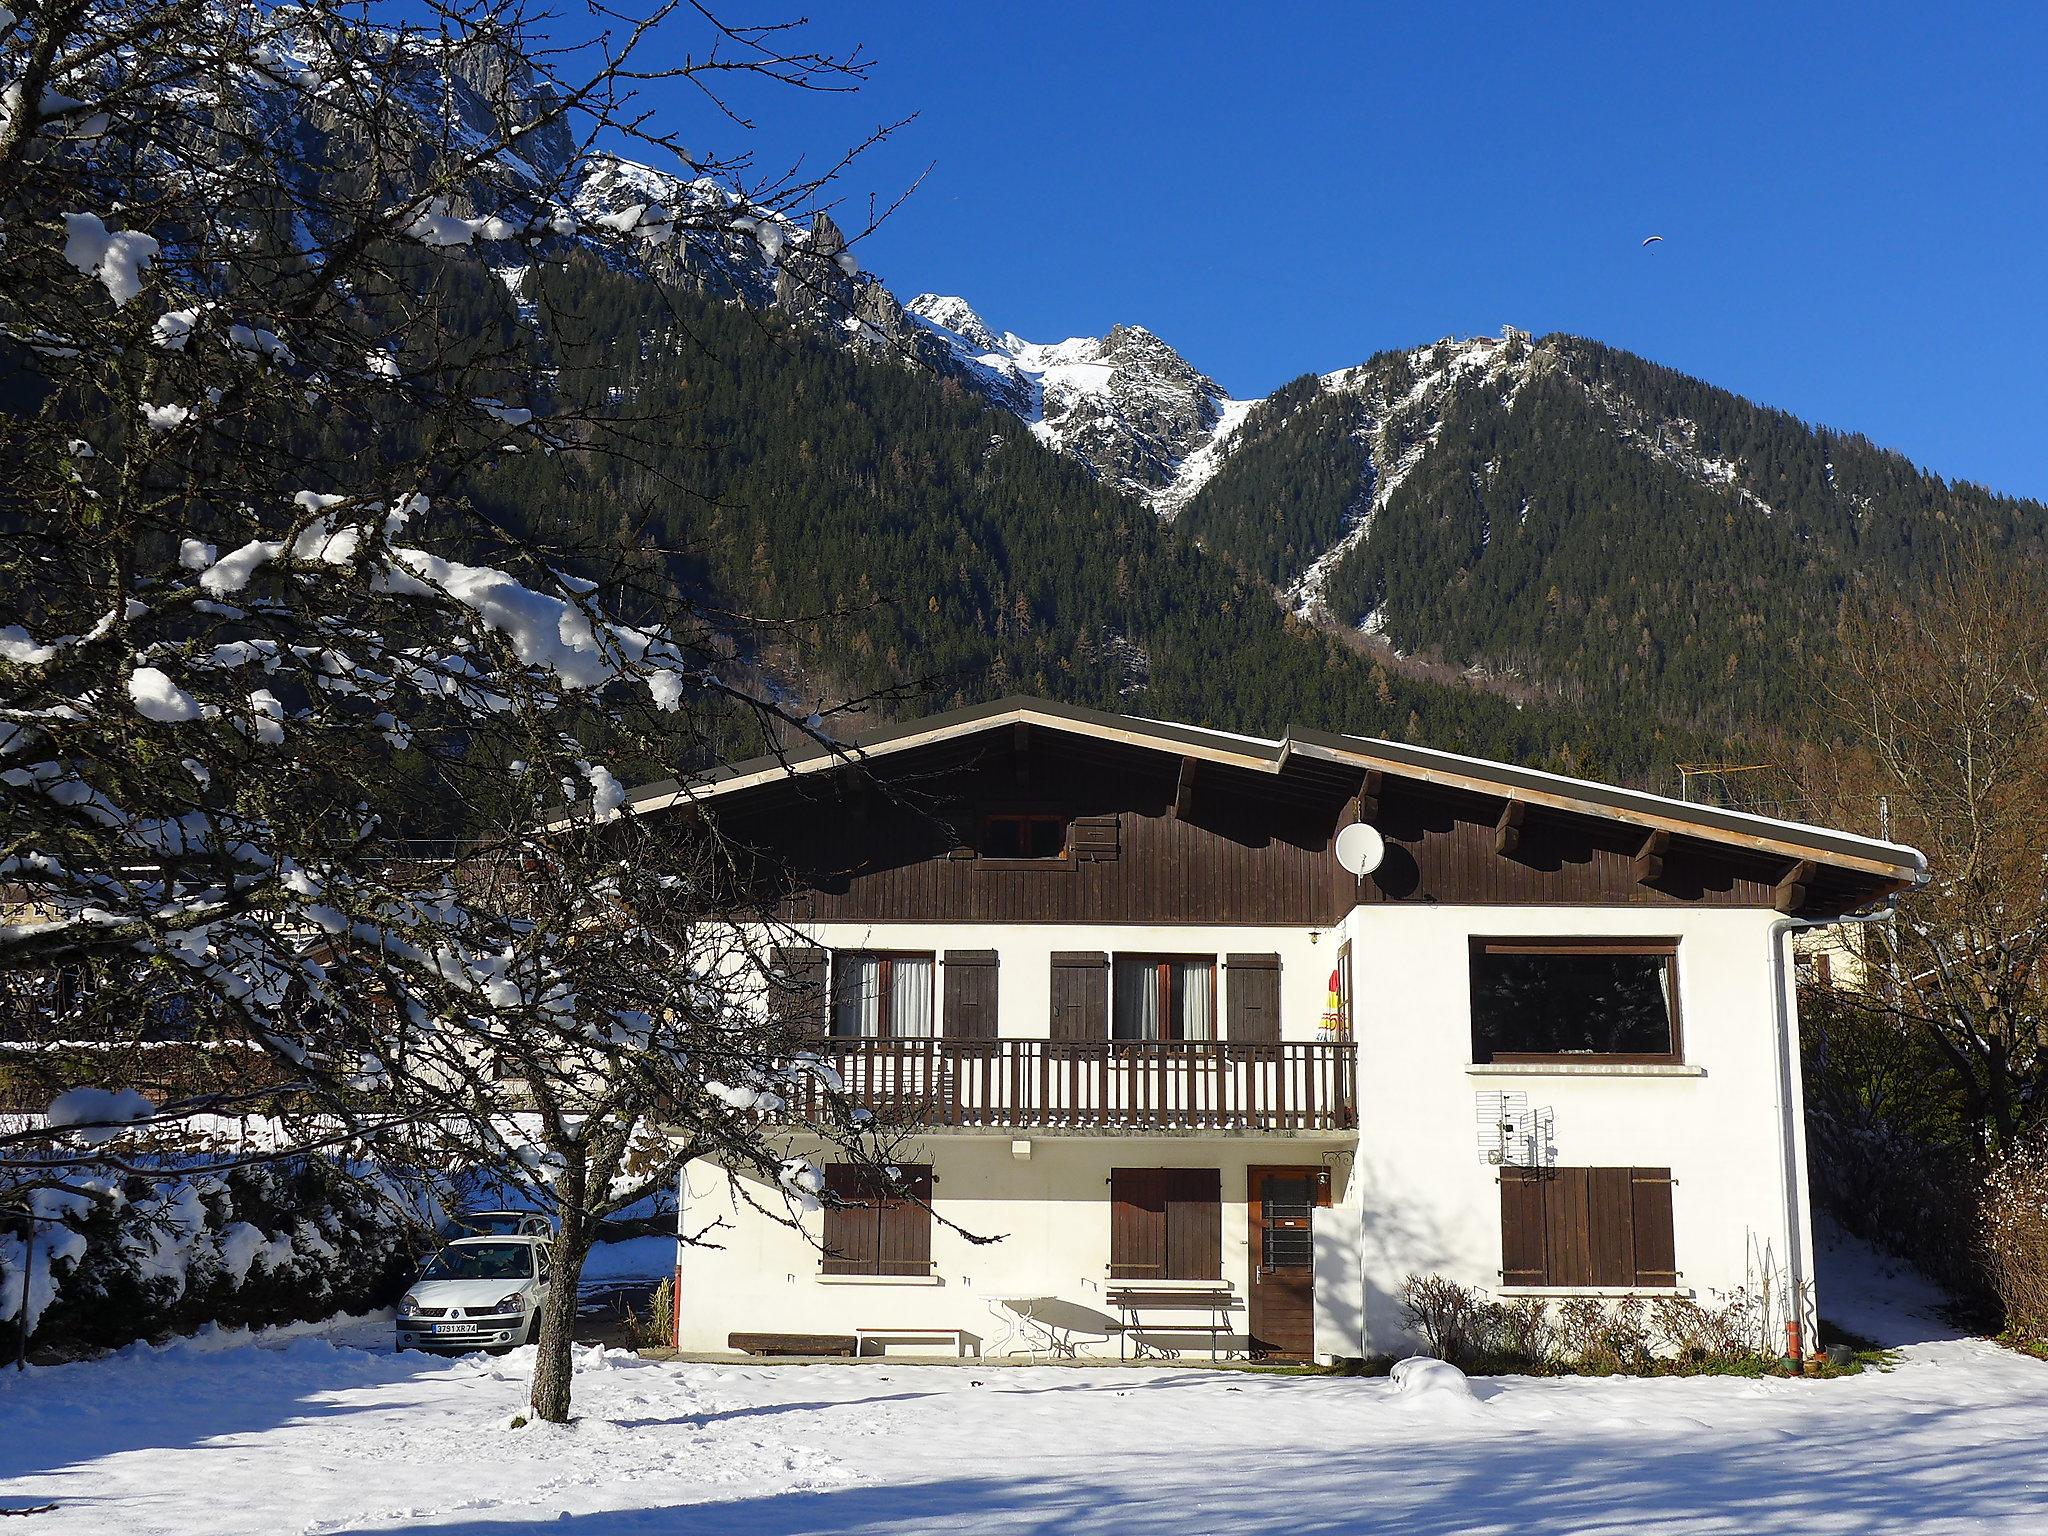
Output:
x,y
481,1261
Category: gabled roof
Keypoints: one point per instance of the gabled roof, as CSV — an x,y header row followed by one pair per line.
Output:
x,y
1795,841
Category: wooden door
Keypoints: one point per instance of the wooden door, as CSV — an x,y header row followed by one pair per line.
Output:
x,y
1280,1207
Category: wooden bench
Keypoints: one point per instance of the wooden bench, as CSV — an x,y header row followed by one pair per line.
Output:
x,y
794,1343
1133,1303
962,1339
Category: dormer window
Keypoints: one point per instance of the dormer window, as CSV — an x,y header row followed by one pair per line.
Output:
x,y
1023,835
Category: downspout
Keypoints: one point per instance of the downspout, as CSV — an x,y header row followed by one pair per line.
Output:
x,y
1783,1000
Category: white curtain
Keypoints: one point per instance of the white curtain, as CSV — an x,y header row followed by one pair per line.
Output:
x,y
910,998
856,995
1194,995
1135,1014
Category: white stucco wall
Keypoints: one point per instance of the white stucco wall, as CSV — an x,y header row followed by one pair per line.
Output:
x,y
1423,1201
1412,1193
1048,1216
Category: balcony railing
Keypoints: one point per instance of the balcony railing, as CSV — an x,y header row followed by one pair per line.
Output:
x,y
1111,1085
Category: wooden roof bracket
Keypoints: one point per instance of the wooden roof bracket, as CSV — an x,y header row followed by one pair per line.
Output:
x,y
1184,789
1507,832
1649,859
1020,750
1793,886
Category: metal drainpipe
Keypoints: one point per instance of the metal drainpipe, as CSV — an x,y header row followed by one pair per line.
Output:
x,y
1788,1104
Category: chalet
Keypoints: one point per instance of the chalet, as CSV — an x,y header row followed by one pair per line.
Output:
x,y
1219,1071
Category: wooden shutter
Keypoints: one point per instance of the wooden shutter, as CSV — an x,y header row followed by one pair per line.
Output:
x,y
798,998
1194,1224
1656,1252
852,1231
1610,1223
1080,995
970,994
1567,1229
1096,838
1137,1224
1523,1260
904,1223
1254,998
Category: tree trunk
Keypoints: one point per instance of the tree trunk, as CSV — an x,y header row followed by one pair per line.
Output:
x,y
554,1363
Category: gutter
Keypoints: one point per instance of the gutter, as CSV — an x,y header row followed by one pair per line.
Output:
x,y
1806,1325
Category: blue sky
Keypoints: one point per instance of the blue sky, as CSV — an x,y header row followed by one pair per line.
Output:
x,y
1851,196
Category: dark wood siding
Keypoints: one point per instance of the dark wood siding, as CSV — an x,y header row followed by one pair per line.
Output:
x,y
1587,1227
1151,844
1165,1224
1080,995
970,1007
1252,983
883,1229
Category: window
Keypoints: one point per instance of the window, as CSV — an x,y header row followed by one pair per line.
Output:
x,y
880,1222
1023,835
1587,1227
1159,997
881,996
1165,1224
1552,999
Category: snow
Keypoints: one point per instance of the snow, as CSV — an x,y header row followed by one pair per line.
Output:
x,y
326,1431
156,697
105,1109
163,418
1200,467
117,259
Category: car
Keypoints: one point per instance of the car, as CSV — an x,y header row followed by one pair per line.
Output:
x,y
478,1293
502,1223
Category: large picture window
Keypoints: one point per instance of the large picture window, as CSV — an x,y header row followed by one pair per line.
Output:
x,y
877,996
1551,1000
1164,997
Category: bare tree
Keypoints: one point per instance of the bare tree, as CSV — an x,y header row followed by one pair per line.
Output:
x,y
1944,697
259,632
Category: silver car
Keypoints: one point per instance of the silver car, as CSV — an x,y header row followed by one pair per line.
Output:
x,y
478,1293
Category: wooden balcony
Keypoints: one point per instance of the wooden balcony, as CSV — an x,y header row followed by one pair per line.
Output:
x,y
1107,1087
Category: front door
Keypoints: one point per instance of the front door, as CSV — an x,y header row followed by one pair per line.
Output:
x,y
1281,1205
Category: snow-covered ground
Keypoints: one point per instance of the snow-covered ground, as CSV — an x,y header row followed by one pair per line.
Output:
x,y
332,1434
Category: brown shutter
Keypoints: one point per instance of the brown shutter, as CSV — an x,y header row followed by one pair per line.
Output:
x,y
904,1223
1656,1252
1522,1257
1254,998
970,994
1567,1229
852,1231
1080,995
1137,1223
1610,1224
1095,837
798,995
1194,1224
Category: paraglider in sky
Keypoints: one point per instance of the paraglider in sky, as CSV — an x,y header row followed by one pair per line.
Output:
x,y
1653,239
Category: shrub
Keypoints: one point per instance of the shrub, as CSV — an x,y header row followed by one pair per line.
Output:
x,y
1444,1313
1695,1333
2016,1238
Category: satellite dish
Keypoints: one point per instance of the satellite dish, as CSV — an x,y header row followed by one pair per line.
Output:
x,y
1360,848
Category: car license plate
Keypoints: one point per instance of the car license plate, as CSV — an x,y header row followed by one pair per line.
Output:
x,y
456,1328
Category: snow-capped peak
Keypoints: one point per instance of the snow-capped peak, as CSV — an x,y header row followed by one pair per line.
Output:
x,y
957,316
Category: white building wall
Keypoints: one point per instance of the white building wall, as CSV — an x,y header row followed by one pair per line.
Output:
x,y
1412,1193
1047,1215
1422,1199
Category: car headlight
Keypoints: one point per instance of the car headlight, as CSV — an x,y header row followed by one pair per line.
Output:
x,y
409,1306
516,1302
